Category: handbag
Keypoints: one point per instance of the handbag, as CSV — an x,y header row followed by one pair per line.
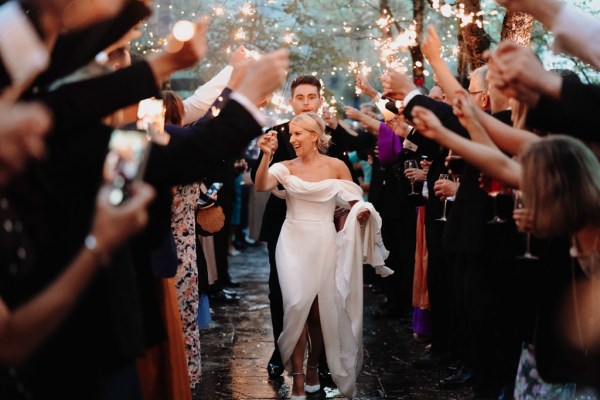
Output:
x,y
210,217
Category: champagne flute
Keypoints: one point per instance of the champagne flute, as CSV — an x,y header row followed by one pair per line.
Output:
x,y
443,218
493,188
520,204
411,164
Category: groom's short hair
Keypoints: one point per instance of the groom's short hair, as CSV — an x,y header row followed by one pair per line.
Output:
x,y
306,80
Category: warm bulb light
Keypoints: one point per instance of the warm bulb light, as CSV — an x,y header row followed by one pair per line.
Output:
x,y
184,31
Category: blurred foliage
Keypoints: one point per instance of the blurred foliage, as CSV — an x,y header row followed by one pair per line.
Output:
x,y
323,36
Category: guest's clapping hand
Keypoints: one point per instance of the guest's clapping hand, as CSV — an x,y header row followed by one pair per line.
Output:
x,y
445,188
22,131
264,75
432,45
426,122
363,216
113,225
396,85
523,219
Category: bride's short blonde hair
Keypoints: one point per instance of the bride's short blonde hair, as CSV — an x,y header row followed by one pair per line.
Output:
x,y
313,123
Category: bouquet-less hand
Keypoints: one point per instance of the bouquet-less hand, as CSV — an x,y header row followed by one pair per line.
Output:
x,y
396,85
415,174
268,143
22,131
113,225
464,108
363,216
330,118
432,46
363,84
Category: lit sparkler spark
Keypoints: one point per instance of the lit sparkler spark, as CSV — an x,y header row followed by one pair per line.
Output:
x,y
247,9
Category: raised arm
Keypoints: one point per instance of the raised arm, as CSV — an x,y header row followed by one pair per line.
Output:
x,y
431,49
23,329
197,104
371,124
264,182
487,159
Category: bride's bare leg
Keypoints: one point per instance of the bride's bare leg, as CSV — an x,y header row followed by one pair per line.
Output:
x,y
298,364
316,342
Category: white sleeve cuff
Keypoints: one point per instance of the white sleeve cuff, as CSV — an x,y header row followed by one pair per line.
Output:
x,y
23,53
411,95
195,106
258,115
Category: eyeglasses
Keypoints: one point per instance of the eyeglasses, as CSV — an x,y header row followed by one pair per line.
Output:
x,y
481,91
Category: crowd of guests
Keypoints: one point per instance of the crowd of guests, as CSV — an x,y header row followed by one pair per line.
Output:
x,y
489,197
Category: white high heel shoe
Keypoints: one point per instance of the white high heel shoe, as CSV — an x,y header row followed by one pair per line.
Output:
x,y
297,397
310,389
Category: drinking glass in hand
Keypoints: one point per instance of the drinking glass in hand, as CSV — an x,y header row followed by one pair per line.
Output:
x,y
493,188
407,165
443,218
520,204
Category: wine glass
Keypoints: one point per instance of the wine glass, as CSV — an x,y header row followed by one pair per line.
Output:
x,y
411,164
520,204
443,218
493,188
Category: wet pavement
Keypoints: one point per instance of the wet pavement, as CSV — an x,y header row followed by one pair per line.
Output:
x,y
238,344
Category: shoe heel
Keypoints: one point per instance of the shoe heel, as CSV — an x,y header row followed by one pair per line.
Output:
x,y
312,388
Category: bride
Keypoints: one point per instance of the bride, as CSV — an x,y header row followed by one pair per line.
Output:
x,y
319,273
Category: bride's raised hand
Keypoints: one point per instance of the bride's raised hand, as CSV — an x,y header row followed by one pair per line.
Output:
x,y
427,123
268,143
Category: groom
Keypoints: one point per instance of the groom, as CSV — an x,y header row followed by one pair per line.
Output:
x,y
305,97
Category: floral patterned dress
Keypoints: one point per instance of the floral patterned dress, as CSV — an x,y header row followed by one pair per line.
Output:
x,y
183,225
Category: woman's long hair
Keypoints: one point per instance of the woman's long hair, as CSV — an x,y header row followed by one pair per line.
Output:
x,y
561,185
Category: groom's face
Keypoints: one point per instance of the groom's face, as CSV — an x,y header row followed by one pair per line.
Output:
x,y
305,98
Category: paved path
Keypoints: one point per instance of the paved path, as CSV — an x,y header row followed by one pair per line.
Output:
x,y
237,346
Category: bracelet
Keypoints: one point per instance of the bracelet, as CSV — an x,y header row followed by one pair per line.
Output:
x,y
91,244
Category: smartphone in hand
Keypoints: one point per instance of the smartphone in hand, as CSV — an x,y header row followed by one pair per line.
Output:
x,y
125,162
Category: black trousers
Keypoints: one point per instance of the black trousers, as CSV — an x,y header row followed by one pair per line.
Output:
x,y
275,302
439,287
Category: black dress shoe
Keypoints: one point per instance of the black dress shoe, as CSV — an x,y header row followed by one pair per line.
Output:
x,y
274,370
461,377
231,284
222,297
431,359
325,378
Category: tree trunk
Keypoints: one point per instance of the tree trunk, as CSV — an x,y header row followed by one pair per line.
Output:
x,y
415,52
462,59
476,39
517,27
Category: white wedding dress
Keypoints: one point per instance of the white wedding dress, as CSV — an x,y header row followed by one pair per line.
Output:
x,y
307,257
